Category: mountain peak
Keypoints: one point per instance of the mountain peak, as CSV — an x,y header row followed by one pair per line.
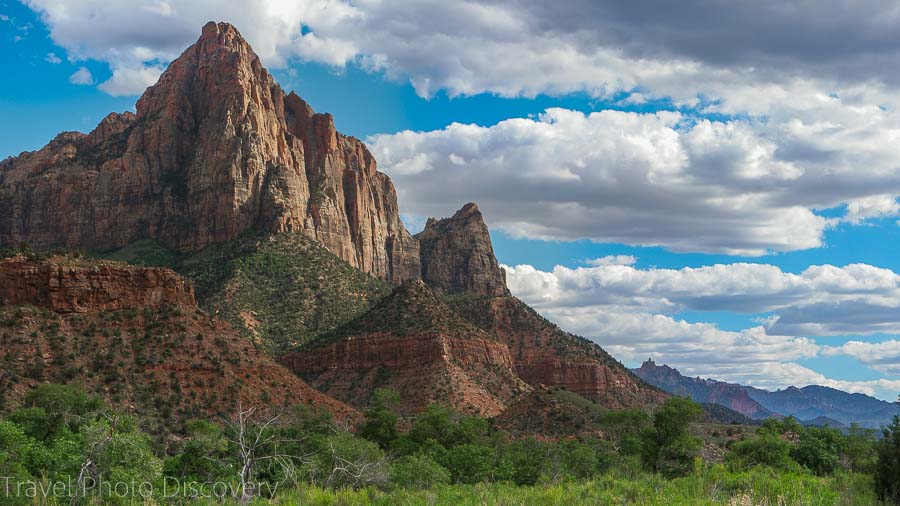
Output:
x,y
457,255
216,148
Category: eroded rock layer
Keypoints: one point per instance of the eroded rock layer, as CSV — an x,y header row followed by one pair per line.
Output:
x,y
412,343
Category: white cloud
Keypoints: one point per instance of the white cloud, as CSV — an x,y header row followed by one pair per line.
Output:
x,y
883,356
52,58
613,260
82,77
662,179
875,206
130,81
627,311
822,300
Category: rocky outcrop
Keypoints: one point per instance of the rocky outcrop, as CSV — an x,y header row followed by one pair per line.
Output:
x,y
457,255
215,148
412,343
66,285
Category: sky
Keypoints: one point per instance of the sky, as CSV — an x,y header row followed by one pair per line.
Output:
x,y
710,184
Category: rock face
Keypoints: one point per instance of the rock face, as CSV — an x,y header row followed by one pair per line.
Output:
x,y
68,286
414,344
215,148
457,255
133,336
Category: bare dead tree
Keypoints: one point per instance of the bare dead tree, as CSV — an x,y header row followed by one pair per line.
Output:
x,y
355,474
258,441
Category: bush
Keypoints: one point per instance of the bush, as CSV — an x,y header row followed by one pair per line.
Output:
x,y
418,472
765,449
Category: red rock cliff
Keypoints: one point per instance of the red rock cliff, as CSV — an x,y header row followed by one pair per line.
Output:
x,y
64,286
216,147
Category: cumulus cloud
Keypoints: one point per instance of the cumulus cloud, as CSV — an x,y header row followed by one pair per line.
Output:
x,y
613,260
821,108
125,81
822,300
52,58
751,356
875,206
883,356
659,179
82,77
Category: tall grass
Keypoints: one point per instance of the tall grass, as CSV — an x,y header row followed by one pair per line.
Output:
x,y
715,486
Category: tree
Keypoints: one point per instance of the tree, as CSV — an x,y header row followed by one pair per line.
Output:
x,y
669,447
887,465
859,449
380,423
258,441
418,472
819,449
470,463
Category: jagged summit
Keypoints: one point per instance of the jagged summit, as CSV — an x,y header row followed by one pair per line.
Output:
x,y
457,255
215,148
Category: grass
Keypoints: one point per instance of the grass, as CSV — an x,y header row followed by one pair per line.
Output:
x,y
712,487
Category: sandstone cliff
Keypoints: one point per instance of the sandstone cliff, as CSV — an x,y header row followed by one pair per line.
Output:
x,y
457,255
215,148
135,337
413,343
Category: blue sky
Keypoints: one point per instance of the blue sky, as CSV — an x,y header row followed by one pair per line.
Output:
x,y
637,165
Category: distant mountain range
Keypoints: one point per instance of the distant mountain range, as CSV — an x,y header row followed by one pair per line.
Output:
x,y
813,404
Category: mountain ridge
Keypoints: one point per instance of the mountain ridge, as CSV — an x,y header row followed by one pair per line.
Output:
x,y
812,404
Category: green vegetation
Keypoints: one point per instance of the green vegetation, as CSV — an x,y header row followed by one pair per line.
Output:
x,y
298,456
887,465
411,308
281,289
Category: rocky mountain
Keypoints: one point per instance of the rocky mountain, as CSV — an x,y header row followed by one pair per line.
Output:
x,y
815,405
411,342
730,395
215,148
827,405
135,337
457,255
292,236
458,260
